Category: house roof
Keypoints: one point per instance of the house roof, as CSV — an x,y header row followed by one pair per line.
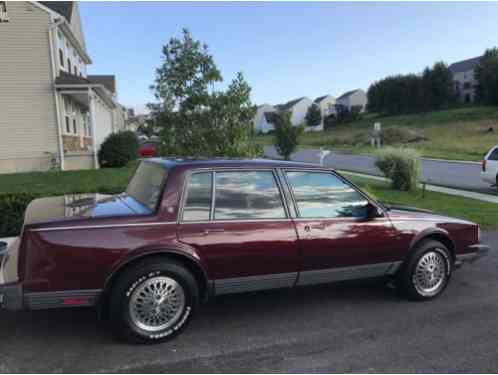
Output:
x,y
289,104
347,93
320,99
64,8
108,80
67,81
70,79
464,65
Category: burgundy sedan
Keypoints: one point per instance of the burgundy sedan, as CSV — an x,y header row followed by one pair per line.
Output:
x,y
186,230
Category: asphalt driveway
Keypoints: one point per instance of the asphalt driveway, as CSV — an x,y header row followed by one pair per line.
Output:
x,y
360,328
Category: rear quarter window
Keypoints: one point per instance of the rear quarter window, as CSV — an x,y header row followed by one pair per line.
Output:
x,y
494,155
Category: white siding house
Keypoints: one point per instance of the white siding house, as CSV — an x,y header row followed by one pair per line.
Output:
x,y
353,98
261,124
464,80
326,103
49,108
297,108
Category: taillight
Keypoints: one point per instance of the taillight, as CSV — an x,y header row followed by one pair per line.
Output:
x,y
483,165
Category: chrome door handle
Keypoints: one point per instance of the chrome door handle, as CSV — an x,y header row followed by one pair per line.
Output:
x,y
318,226
214,230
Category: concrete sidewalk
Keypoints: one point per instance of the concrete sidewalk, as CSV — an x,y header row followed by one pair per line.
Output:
x,y
439,189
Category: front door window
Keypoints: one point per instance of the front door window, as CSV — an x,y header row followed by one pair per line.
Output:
x,y
324,195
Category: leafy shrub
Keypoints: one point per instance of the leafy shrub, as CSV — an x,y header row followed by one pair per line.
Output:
x,y
401,166
12,207
118,149
286,135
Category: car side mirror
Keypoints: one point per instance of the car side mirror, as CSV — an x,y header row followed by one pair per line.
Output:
x,y
373,212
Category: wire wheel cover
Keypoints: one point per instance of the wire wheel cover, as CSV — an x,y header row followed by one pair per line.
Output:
x,y
157,304
430,273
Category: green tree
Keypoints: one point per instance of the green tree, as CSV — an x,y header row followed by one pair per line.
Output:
x,y
313,115
286,135
486,75
441,86
195,118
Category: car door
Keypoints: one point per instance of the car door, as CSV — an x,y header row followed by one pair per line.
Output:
x,y
336,239
239,224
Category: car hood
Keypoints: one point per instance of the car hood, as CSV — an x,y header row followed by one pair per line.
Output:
x,y
397,212
79,206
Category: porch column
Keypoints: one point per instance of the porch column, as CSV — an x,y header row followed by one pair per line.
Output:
x,y
93,122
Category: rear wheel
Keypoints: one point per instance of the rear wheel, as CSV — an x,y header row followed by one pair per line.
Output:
x,y
153,301
427,272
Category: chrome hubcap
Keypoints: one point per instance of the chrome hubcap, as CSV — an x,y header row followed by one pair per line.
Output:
x,y
430,273
157,304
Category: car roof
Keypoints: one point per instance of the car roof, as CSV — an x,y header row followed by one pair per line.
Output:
x,y
188,163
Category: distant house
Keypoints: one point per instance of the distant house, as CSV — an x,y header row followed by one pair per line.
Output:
x,y
51,112
464,80
327,104
297,107
261,123
353,98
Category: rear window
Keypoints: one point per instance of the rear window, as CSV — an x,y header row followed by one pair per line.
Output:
x,y
146,184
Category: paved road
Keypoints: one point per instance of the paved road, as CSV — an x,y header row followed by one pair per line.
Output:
x,y
359,328
463,175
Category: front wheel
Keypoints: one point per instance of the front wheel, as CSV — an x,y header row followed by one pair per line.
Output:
x,y
153,301
427,272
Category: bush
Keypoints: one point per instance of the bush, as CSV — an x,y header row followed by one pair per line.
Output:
x,y
401,165
286,135
118,149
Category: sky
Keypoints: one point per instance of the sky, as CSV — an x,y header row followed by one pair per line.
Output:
x,y
286,50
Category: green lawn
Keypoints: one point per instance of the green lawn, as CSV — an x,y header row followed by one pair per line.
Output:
x,y
459,134
482,213
57,182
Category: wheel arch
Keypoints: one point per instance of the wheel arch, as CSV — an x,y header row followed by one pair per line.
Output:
x,y
436,234
189,262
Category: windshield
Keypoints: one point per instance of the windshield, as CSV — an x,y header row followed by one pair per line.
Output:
x,y
145,185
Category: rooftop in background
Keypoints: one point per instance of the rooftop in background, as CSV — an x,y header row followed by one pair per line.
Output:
x,y
348,93
289,104
464,65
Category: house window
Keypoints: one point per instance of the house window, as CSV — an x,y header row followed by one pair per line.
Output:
x,y
4,17
61,57
69,117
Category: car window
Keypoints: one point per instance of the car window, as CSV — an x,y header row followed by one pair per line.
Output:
x,y
324,195
494,155
247,195
197,205
146,184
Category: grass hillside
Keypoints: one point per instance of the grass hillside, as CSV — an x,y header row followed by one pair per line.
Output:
x,y
460,134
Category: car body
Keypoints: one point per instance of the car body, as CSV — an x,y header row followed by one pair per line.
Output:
x,y
489,167
212,227
148,149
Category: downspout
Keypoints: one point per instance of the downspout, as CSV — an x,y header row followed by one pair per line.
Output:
x,y
51,29
93,123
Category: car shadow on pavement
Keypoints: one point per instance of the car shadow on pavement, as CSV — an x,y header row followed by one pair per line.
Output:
x,y
82,323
